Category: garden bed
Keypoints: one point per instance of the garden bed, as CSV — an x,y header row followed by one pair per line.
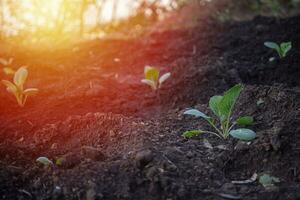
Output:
x,y
119,140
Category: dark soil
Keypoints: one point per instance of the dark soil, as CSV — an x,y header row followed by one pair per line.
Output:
x,y
116,139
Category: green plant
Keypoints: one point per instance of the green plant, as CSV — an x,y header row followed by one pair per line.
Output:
x,y
222,107
44,160
152,77
17,86
281,49
267,180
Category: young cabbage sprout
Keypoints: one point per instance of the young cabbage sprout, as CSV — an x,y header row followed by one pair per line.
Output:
x,y
17,86
152,77
222,107
281,49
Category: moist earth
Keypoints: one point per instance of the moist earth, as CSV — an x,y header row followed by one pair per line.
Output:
x,y
116,139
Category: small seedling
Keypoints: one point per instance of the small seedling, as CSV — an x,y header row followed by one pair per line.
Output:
x,y
45,161
222,107
17,86
281,49
268,181
152,77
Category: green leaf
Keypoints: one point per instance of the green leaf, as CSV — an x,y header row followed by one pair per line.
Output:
x,y
164,77
246,120
30,91
228,101
151,73
272,45
243,134
192,133
10,87
285,47
20,77
45,161
266,180
214,103
196,113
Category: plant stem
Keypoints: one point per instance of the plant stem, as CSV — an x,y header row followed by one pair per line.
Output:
x,y
210,132
220,132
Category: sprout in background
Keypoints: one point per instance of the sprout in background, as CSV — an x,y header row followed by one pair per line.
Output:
x,y
17,86
281,49
152,77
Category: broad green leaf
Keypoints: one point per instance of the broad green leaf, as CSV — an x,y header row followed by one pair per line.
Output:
x,y
30,91
243,134
10,87
246,120
45,161
272,45
151,73
285,48
196,113
164,77
20,77
8,71
150,83
228,101
266,180
192,133
214,103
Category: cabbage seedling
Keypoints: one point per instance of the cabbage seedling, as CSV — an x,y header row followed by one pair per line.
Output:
x,y
17,86
152,77
281,49
222,107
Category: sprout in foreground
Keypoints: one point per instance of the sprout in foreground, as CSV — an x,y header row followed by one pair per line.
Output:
x,y
222,107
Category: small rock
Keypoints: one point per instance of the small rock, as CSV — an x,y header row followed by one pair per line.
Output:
x,y
143,158
57,193
68,160
189,154
92,153
241,146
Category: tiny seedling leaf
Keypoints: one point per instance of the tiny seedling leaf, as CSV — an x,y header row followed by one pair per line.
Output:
x,y
10,86
285,47
272,45
45,161
164,77
151,73
214,103
243,134
196,113
268,181
244,121
20,77
192,133
30,91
